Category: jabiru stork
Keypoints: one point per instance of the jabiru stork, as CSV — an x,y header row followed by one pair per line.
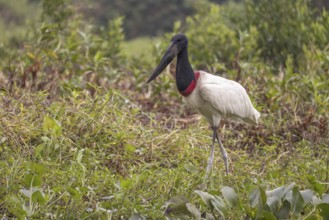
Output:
x,y
213,96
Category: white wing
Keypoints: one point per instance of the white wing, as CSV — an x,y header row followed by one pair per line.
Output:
x,y
228,97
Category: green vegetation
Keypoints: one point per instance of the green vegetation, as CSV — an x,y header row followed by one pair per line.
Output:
x,y
15,16
82,136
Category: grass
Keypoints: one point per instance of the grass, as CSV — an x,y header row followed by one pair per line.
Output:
x,y
104,157
83,137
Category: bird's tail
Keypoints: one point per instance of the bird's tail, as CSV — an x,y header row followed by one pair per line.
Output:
x,y
256,115
252,118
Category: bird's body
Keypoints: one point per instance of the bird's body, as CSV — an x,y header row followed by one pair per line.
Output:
x,y
218,98
214,97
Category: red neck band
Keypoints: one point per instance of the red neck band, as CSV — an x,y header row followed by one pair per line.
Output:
x,y
192,85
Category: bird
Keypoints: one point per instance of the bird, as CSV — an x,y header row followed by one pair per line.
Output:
x,y
215,97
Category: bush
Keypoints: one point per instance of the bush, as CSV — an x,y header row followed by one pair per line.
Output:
x,y
214,40
256,30
64,53
285,27
101,155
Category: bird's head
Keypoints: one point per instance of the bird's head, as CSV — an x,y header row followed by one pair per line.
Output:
x,y
177,44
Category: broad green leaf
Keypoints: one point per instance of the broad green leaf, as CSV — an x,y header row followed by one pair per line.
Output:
x,y
325,198
268,215
194,211
273,203
74,192
262,206
206,198
177,200
37,168
31,180
283,213
318,187
38,197
288,189
288,197
257,198
278,192
316,200
177,206
262,195
324,210
58,189
254,197
219,205
311,179
307,195
230,196
297,201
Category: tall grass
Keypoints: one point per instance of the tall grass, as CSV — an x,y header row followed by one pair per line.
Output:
x,y
83,137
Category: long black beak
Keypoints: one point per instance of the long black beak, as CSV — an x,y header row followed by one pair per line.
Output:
x,y
170,54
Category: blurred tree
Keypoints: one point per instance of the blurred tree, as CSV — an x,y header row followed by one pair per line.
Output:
x,y
146,17
8,15
286,27
16,16
321,4
142,18
149,17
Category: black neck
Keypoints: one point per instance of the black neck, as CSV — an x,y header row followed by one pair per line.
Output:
x,y
184,71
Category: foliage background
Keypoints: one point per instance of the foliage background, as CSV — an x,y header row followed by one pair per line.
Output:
x,y
83,137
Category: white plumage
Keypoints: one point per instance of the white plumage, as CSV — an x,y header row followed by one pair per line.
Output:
x,y
216,97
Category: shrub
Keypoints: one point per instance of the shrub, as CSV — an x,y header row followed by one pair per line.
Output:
x,y
63,50
215,40
285,27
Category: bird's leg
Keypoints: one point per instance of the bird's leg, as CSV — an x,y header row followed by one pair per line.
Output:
x,y
224,152
211,157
